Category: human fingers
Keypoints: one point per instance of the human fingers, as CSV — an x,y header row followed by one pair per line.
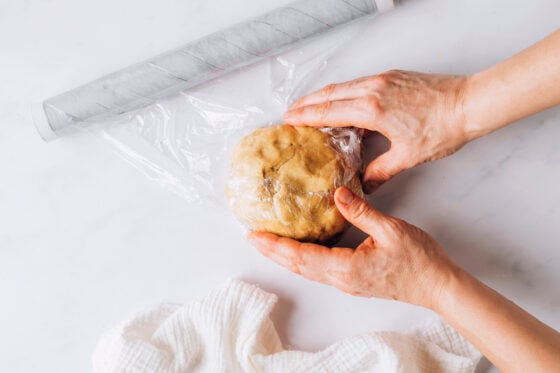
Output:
x,y
380,170
312,261
360,113
360,213
335,92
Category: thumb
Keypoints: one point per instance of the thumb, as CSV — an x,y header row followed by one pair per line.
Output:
x,y
380,170
357,211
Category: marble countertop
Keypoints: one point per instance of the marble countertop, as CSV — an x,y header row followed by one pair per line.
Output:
x,y
86,240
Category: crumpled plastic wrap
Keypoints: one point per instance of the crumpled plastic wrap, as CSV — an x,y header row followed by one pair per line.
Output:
x,y
185,143
283,180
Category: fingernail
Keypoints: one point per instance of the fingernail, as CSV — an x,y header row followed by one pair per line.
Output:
x,y
371,186
345,196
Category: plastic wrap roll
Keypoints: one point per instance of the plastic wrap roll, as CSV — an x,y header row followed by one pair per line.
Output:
x,y
199,61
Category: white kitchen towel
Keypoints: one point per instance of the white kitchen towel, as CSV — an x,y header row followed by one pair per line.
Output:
x,y
229,330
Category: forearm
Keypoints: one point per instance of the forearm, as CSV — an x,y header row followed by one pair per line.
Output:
x,y
524,84
509,337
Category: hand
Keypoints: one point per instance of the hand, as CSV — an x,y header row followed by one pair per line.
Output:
x,y
398,261
421,114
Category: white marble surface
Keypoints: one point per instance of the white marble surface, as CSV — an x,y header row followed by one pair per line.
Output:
x,y
85,239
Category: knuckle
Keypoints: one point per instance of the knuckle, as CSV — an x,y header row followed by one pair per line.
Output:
x,y
328,90
392,73
301,111
357,83
294,267
372,102
296,262
385,79
324,110
382,80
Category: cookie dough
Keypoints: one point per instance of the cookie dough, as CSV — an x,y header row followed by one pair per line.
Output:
x,y
283,179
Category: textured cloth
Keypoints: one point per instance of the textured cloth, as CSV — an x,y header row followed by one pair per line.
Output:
x,y
229,330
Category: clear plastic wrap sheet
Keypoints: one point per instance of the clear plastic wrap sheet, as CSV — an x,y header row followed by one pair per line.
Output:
x,y
185,142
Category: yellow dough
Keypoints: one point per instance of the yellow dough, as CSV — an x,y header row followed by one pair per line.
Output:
x,y
283,179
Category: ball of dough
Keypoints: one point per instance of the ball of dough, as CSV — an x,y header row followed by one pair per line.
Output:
x,y
283,179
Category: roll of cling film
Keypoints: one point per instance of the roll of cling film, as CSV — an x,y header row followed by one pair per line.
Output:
x,y
197,62
179,132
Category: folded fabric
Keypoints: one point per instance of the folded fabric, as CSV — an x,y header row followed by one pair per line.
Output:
x,y
229,330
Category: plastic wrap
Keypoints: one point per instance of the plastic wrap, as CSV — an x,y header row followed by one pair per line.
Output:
x,y
184,140
199,61
185,143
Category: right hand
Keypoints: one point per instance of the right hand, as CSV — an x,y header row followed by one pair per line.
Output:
x,y
421,114
397,261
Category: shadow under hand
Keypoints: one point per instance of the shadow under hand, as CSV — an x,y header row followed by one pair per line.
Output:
x,y
386,197
351,238
375,144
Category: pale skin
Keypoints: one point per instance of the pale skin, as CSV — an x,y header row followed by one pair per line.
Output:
x,y
427,117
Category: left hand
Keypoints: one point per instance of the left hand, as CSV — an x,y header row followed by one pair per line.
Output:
x,y
398,261
421,114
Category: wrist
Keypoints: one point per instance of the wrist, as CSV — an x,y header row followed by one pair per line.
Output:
x,y
458,132
452,287
482,111
440,286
